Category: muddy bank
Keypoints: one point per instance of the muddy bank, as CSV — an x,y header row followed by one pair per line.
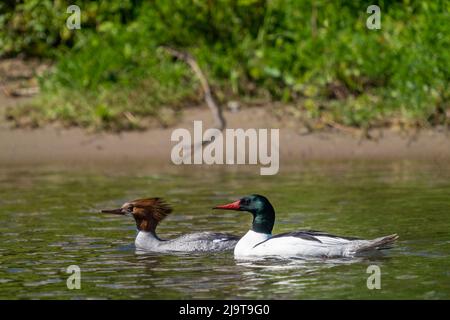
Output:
x,y
53,145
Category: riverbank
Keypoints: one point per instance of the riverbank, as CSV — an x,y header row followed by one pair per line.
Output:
x,y
57,145
74,146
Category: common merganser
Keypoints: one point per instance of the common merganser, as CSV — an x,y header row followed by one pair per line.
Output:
x,y
259,242
148,213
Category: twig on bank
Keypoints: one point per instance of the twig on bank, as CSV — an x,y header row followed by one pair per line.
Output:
x,y
18,92
219,120
362,133
342,127
25,92
4,89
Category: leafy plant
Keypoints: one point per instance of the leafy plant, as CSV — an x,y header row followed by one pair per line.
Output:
x,y
317,55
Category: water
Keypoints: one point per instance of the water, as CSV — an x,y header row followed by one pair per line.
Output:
x,y
49,220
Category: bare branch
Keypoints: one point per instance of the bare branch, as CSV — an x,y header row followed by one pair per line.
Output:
x,y
219,120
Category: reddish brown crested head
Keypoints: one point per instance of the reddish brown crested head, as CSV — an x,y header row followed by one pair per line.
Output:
x,y
146,212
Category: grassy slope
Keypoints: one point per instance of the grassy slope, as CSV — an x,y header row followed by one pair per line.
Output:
x,y
319,61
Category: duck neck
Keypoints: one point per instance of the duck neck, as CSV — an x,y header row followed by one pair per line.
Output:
x,y
148,236
147,226
263,220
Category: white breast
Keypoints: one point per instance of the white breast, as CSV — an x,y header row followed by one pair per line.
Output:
x,y
245,246
146,241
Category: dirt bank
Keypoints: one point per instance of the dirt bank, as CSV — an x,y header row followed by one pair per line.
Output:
x,y
53,145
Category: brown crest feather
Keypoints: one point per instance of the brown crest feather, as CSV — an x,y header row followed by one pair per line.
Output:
x,y
157,207
151,210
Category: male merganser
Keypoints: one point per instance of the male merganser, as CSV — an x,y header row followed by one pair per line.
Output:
x,y
149,212
259,242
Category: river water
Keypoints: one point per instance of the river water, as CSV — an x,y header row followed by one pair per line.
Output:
x,y
49,220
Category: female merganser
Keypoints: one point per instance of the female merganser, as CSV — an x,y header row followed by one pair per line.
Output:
x,y
149,212
259,242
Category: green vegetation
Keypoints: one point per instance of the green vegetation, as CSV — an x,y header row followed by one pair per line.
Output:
x,y
315,57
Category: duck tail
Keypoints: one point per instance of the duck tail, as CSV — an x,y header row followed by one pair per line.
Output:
x,y
381,243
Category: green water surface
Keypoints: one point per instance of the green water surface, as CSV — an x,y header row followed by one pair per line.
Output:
x,y
49,220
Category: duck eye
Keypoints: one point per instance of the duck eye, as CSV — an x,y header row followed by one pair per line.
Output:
x,y
130,209
245,202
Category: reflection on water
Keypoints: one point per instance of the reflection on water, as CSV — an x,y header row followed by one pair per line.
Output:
x,y
49,220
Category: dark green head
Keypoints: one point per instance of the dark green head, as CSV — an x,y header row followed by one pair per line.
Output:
x,y
261,209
